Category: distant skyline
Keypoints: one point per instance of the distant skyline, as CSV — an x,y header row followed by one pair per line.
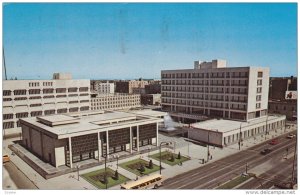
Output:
x,y
133,40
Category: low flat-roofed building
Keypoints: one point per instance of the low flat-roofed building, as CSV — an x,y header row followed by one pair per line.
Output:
x,y
69,138
149,112
226,132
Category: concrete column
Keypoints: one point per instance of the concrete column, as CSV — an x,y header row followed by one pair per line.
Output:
x,y
99,147
107,145
130,135
137,138
70,152
156,134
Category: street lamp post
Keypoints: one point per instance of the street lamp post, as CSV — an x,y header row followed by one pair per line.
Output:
x,y
77,166
149,148
208,146
240,139
266,127
167,143
105,179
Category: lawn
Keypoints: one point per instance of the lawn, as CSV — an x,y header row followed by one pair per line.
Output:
x,y
97,178
134,166
231,184
166,158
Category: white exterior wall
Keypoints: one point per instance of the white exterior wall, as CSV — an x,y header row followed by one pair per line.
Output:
x,y
212,137
115,102
24,106
104,88
253,89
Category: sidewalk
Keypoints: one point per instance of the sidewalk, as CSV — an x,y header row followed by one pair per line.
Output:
x,y
195,152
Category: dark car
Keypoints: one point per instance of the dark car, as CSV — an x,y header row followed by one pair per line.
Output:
x,y
266,151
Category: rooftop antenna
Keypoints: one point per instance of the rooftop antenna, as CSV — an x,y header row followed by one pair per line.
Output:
x,y
4,63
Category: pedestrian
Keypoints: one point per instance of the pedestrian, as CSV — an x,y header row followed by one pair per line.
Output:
x,y
210,157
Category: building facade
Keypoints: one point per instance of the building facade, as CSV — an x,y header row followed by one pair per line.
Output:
x,y
128,86
151,99
28,98
214,90
222,133
287,108
103,87
115,101
67,139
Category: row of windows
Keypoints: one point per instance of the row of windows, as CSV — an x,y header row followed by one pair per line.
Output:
x,y
207,75
206,82
45,91
46,112
44,97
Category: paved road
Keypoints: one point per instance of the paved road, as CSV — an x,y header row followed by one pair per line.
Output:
x,y
18,177
221,171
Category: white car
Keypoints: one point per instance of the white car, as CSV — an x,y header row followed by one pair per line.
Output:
x,y
291,136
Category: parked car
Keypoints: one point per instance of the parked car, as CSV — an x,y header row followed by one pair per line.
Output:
x,y
6,158
291,136
274,142
266,151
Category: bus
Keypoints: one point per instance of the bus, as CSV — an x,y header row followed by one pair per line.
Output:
x,y
152,181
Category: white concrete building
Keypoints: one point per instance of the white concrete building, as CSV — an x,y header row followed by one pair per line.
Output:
x,y
65,139
226,132
104,88
115,101
28,98
214,90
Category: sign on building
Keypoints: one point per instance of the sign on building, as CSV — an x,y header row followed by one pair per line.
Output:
x,y
292,95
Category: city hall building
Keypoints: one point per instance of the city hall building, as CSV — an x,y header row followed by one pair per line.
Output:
x,y
65,139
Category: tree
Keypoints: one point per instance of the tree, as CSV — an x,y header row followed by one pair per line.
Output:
x,y
179,156
151,164
116,175
172,158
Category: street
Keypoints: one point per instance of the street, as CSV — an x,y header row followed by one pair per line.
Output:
x,y
216,173
21,181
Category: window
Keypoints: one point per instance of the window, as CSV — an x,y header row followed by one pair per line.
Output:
x,y
74,89
8,125
47,91
83,89
48,112
258,90
257,105
259,74
6,92
259,82
35,105
7,99
34,91
20,98
8,116
20,92
258,98
36,113
61,90
22,115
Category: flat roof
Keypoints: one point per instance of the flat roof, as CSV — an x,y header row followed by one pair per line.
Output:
x,y
59,119
87,124
149,112
229,125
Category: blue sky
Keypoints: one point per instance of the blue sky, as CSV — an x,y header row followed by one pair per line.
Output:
x,y
124,41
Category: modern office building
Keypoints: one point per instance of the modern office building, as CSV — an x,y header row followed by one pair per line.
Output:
x,y
128,86
65,139
102,87
28,98
115,101
214,90
226,132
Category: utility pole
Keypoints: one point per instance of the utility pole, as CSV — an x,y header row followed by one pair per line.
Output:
x,y
246,168
292,180
4,63
208,146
